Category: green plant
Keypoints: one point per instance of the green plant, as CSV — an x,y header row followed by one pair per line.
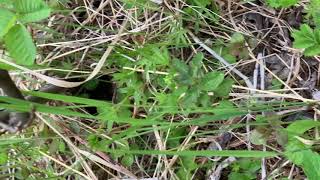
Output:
x,y
307,39
190,85
298,149
313,12
14,16
281,3
245,169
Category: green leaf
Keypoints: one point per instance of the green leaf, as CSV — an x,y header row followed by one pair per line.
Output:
x,y
184,75
191,97
175,136
206,153
301,126
201,3
19,44
196,64
299,153
3,157
35,16
211,81
304,38
28,6
31,10
281,3
8,19
237,38
127,160
224,88
312,51
305,158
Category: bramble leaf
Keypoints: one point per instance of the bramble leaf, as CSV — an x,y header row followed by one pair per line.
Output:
x,y
28,6
211,81
19,44
196,64
8,20
224,88
35,16
31,10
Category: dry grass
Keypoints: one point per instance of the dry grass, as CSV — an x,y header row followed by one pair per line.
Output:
x,y
82,47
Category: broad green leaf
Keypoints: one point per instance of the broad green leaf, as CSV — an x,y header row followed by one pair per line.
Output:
x,y
211,81
299,153
308,160
19,44
28,6
301,126
7,20
35,16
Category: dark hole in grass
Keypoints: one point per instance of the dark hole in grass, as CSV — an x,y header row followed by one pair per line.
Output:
x,y
101,88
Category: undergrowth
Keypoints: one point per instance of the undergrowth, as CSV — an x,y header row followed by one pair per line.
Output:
x,y
200,89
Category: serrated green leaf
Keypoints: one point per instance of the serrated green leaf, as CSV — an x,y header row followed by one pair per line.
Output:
x,y
183,70
312,51
19,44
304,38
211,81
307,39
224,88
7,20
35,16
191,97
196,64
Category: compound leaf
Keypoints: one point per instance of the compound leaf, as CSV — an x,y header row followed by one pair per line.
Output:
x,y
8,19
19,44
